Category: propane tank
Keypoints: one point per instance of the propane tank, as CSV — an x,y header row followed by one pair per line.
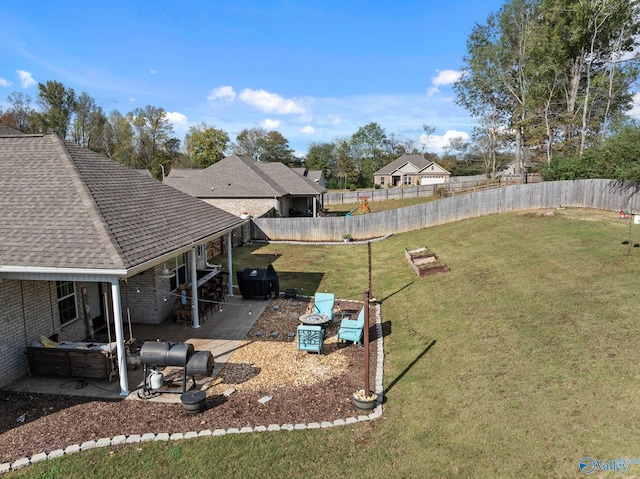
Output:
x,y
156,379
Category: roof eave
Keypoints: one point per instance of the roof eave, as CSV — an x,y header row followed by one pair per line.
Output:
x,y
183,249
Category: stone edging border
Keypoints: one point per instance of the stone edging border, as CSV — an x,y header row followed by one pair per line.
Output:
x,y
164,436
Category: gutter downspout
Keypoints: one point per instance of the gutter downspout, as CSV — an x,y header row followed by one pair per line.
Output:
x,y
230,263
194,289
117,321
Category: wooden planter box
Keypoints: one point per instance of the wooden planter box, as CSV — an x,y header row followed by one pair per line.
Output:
x,y
424,262
82,363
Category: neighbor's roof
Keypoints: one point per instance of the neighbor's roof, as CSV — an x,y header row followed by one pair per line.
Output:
x,y
8,131
240,176
418,161
67,207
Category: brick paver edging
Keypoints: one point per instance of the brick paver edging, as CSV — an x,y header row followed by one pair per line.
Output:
x,y
164,436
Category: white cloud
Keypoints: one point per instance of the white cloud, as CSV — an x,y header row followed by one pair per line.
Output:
x,y
26,80
335,119
269,124
308,130
271,102
177,118
4,82
153,72
446,77
443,78
440,142
225,93
132,100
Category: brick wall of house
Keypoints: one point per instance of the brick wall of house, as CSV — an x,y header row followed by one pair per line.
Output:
x,y
238,206
13,362
29,311
147,306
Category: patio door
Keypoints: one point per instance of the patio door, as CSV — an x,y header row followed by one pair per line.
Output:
x,y
96,306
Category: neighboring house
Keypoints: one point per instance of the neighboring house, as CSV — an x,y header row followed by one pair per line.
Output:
x,y
317,176
410,170
240,185
83,240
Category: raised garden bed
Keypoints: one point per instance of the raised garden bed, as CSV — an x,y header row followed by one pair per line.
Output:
x,y
424,262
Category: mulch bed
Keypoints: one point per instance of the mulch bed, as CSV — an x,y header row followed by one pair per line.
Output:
x,y
316,389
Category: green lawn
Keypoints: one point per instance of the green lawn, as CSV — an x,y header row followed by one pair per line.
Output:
x,y
379,205
517,363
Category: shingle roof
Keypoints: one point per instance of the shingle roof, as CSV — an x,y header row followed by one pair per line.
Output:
x,y
418,161
240,176
8,131
65,206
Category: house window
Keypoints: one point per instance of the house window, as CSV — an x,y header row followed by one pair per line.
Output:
x,y
66,301
407,180
382,180
179,267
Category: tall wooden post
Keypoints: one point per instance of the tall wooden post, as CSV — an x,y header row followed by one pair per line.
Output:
x,y
367,389
369,255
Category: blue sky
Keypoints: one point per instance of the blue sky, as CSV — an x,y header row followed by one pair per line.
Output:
x,y
314,71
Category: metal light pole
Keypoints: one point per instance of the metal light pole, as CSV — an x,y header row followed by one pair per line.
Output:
x,y
367,389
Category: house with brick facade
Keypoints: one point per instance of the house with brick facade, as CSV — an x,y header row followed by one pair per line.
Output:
x,y
84,240
410,170
241,185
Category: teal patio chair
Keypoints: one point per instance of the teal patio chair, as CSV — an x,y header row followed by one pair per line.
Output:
x,y
352,330
310,339
323,304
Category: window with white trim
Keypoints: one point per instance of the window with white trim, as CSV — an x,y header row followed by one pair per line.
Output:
x,y
66,301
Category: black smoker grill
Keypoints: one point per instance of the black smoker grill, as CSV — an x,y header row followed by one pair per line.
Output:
x,y
165,353
258,282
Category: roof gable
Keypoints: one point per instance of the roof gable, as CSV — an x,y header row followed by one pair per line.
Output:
x,y
434,169
240,176
408,164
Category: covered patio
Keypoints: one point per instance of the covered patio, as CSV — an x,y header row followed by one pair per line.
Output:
x,y
220,332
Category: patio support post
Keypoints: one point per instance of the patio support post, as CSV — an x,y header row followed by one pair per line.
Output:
x,y
194,288
117,322
230,263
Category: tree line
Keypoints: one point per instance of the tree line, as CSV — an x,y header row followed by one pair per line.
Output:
x,y
142,138
550,83
551,80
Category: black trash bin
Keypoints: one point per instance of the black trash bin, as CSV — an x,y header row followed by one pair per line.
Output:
x,y
256,282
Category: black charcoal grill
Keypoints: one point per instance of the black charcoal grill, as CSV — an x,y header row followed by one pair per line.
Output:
x,y
165,353
258,282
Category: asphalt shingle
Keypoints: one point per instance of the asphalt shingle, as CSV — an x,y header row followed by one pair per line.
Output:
x,y
65,206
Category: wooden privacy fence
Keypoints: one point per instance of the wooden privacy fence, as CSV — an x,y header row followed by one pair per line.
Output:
x,y
455,184
599,194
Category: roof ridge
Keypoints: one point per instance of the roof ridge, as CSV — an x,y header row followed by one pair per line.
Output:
x,y
253,166
86,196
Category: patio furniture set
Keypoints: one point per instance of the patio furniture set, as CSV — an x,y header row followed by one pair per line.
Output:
x,y
311,333
212,293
